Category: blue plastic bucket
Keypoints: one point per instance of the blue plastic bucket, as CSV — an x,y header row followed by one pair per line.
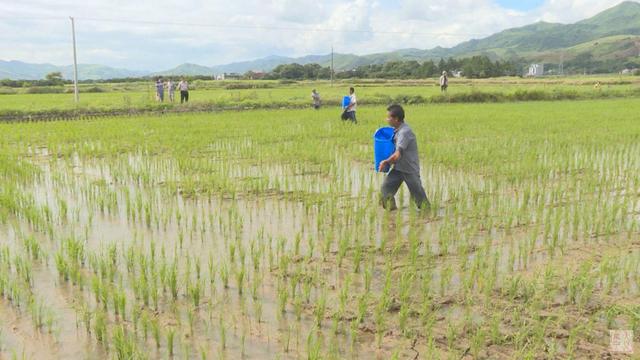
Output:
x,y
346,101
383,146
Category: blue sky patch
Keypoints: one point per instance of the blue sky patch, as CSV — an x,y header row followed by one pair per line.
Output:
x,y
521,5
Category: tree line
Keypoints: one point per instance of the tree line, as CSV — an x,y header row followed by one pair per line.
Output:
x,y
56,79
472,67
480,66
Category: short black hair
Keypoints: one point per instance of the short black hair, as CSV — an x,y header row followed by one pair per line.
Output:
x,y
352,89
396,111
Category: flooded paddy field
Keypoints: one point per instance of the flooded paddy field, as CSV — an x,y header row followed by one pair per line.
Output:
x,y
258,235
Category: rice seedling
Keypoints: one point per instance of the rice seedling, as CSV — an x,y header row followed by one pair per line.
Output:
x,y
224,275
171,334
223,334
155,330
321,307
100,326
240,274
195,290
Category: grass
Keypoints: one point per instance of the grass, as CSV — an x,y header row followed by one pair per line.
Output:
x,y
198,234
208,95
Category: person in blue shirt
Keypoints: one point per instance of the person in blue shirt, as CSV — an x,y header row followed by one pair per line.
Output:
x,y
159,90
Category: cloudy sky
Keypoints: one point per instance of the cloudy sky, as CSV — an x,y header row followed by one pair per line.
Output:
x,y
157,35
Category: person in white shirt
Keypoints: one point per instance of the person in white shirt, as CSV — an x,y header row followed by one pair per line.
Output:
x,y
184,91
353,104
171,87
444,82
315,96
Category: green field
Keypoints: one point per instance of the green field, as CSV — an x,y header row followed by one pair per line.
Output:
x,y
271,94
259,234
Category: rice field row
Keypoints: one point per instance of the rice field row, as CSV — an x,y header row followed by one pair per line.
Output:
x,y
258,234
242,94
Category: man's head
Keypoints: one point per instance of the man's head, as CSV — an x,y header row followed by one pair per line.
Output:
x,y
444,73
395,115
351,90
313,91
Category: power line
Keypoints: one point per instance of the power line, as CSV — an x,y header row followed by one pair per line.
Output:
x,y
251,27
31,18
270,27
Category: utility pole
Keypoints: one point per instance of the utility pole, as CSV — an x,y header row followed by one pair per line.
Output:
x,y
331,65
75,60
562,63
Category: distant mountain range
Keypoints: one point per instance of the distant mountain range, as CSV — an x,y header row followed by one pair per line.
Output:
x,y
613,34
18,70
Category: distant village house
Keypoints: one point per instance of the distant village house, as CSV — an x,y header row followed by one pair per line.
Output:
x,y
536,70
629,71
255,75
228,76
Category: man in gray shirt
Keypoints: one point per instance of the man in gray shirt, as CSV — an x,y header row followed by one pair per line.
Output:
x,y
406,165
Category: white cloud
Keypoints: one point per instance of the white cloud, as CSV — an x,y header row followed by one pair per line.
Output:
x,y
106,54
566,11
246,29
301,11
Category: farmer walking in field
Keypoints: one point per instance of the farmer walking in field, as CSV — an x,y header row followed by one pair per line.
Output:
x,y
171,87
184,91
444,82
159,90
350,111
406,165
315,96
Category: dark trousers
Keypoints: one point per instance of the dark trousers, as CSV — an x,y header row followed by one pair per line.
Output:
x,y
184,96
392,183
351,115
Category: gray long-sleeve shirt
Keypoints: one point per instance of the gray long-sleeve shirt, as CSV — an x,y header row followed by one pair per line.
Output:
x,y
405,141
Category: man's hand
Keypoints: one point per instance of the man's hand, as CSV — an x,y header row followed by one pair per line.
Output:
x,y
391,160
383,165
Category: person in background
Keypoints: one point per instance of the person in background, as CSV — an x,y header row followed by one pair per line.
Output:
x,y
159,90
444,82
353,104
184,91
315,96
171,87
405,161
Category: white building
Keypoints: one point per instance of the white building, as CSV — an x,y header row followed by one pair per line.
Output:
x,y
536,70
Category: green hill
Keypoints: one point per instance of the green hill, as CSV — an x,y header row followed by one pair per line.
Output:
x,y
187,69
623,19
26,71
610,37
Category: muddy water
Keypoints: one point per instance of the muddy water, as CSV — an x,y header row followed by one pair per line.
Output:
x,y
202,232
128,204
